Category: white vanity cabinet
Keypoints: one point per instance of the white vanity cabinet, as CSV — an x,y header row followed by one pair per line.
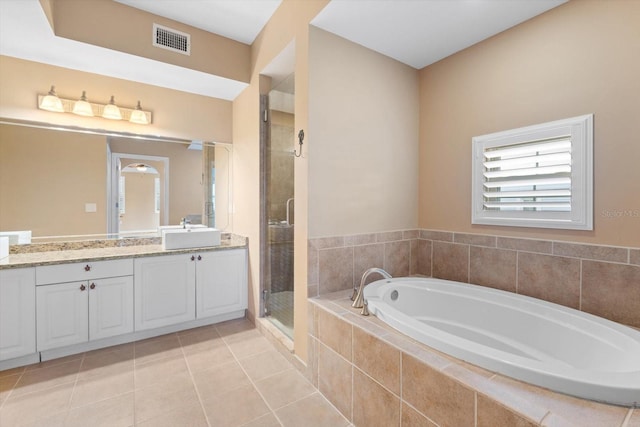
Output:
x,y
221,282
171,289
79,302
17,313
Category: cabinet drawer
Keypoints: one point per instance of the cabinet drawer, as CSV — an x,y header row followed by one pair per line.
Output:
x,y
79,271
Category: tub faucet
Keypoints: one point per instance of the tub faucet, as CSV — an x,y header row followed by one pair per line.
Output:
x,y
358,293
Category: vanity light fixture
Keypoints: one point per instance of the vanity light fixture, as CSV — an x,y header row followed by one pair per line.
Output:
x,y
51,102
111,110
138,116
83,107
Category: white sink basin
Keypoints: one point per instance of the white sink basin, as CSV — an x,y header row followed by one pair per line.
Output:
x,y
199,237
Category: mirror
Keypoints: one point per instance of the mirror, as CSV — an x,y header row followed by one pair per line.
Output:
x,y
66,183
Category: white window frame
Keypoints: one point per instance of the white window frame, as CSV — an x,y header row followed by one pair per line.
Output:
x,y
580,216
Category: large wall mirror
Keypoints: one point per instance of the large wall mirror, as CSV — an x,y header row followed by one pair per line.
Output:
x,y
66,183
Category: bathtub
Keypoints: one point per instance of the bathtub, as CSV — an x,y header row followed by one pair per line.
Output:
x,y
528,339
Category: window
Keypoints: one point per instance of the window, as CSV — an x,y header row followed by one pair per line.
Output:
x,y
536,176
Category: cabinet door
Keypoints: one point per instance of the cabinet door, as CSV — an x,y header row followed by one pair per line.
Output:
x,y
62,314
17,313
164,290
110,307
221,282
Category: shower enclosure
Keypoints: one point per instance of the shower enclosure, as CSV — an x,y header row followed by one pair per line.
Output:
x,y
278,205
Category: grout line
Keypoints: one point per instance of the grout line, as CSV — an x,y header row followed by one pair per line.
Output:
x,y
543,418
193,382
627,419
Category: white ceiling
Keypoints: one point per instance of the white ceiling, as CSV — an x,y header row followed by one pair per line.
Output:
x,y
415,32
421,32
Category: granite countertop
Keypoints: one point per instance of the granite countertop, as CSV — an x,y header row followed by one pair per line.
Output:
x,y
86,254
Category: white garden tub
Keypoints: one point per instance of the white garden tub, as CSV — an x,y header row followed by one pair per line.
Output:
x,y
535,341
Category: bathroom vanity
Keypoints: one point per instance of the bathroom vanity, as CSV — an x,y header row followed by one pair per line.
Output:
x,y
63,302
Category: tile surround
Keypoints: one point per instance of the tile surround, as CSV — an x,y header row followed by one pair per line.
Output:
x,y
599,279
432,388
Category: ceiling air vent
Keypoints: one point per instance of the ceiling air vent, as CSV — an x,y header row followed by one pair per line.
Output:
x,y
174,40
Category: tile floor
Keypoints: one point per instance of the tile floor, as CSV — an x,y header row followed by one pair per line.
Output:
x,y
220,375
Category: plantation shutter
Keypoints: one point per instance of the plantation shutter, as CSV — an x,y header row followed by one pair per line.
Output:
x,y
530,176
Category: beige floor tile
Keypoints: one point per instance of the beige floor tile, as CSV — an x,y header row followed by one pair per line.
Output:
x,y
233,327
53,362
190,415
159,369
235,407
12,371
248,344
312,411
101,363
114,412
284,388
157,348
268,420
47,377
99,388
29,408
164,396
208,358
220,380
264,364
203,340
6,385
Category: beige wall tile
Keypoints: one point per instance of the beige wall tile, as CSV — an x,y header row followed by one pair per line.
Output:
x,y
373,404
413,266
312,360
389,236
634,256
440,398
443,236
377,359
335,269
495,268
536,402
475,239
491,414
410,234
527,245
312,264
412,418
612,291
334,379
335,333
360,239
595,252
313,291
397,258
451,261
365,257
424,257
551,278
327,242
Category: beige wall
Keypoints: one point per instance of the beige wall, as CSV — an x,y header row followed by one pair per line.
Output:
x,y
175,114
579,58
290,22
119,27
363,159
46,178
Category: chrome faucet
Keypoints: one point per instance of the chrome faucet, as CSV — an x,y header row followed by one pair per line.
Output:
x,y
358,293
